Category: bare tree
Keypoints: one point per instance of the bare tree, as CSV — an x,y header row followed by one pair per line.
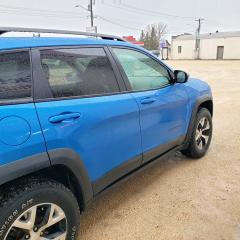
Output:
x,y
152,34
161,30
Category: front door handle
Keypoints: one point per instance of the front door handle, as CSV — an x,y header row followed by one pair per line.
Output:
x,y
148,100
64,117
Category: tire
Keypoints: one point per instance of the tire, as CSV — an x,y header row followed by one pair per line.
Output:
x,y
55,207
201,135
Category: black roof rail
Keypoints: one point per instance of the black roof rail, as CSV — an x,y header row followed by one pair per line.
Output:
x,y
44,30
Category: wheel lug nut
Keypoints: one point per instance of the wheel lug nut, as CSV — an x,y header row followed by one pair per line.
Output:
x,y
35,229
27,236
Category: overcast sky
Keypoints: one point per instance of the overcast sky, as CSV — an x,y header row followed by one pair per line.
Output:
x,y
122,17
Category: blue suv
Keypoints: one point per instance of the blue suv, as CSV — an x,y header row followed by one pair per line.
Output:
x,y
77,116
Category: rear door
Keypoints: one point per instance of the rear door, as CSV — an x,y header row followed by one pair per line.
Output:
x,y
20,131
81,107
164,111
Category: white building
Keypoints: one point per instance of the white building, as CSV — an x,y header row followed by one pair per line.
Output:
x,y
219,45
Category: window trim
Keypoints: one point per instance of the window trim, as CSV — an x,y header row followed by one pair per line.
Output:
x,y
19,100
40,83
124,75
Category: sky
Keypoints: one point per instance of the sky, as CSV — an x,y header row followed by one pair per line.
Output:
x,y
123,17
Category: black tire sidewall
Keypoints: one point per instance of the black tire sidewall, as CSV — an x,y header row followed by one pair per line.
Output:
x,y
38,195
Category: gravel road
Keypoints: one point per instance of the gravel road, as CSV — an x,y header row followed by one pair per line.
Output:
x,y
182,199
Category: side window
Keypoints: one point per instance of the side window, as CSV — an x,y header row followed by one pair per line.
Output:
x,y
78,72
143,72
15,76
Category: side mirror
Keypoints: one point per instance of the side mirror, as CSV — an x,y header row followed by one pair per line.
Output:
x,y
180,76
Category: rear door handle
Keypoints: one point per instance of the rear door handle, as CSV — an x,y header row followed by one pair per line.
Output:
x,y
148,100
63,117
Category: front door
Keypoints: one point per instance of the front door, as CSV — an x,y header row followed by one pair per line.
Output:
x,y
163,106
88,114
220,52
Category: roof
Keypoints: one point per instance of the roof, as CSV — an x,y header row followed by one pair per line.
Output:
x,y
7,43
208,35
133,40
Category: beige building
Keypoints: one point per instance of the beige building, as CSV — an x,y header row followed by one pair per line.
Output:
x,y
219,45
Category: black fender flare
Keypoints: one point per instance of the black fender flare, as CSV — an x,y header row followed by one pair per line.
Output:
x,y
62,156
70,159
193,118
22,167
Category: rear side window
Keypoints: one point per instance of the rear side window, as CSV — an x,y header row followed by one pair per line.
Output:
x,y
15,76
78,72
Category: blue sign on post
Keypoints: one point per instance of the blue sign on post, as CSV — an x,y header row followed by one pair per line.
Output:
x,y
163,43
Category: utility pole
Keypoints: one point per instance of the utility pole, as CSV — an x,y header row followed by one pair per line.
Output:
x,y
198,31
92,28
90,8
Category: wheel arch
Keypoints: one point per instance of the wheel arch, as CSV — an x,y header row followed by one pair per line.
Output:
x,y
205,102
208,104
65,167
69,160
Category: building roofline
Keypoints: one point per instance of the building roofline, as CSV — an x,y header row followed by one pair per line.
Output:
x,y
217,34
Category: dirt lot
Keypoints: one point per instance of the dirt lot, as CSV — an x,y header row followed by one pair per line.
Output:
x,y
182,199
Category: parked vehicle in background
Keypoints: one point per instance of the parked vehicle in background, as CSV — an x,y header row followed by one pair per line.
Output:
x,y
78,115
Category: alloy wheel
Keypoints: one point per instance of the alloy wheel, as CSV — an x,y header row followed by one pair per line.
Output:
x,y
40,222
202,133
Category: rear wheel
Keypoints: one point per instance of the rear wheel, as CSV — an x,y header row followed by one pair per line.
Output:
x,y
201,135
39,210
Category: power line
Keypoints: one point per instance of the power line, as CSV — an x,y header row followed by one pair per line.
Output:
x,y
89,9
110,21
66,14
39,15
154,12
137,10
39,11
82,7
117,24
128,10
138,29
71,15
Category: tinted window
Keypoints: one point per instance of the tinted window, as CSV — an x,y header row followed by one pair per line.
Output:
x,y
143,72
15,76
76,72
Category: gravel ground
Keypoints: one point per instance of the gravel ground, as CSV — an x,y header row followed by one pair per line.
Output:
x,y
182,199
